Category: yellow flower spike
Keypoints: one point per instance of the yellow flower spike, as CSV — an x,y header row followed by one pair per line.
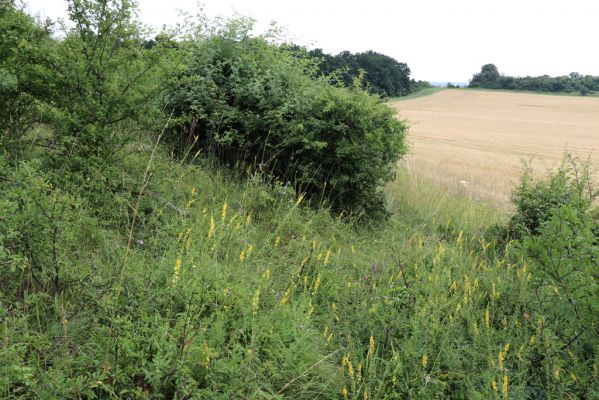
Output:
x,y
242,256
226,291
424,360
573,376
212,227
300,199
506,348
233,219
344,361
350,369
310,309
285,298
487,318
266,274
277,241
193,191
250,250
345,393
556,372
176,271
316,284
454,286
494,385
475,328
223,214
188,243
256,302
365,394
505,387
500,358
371,345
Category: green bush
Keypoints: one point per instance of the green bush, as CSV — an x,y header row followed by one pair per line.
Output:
x,y
535,199
557,228
252,102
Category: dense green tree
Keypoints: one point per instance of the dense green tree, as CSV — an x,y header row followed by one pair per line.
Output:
x,y
488,77
26,77
381,74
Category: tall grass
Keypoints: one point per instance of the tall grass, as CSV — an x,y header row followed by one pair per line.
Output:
x,y
235,289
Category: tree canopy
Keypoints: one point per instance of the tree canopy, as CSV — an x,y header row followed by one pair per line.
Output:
x,y
490,78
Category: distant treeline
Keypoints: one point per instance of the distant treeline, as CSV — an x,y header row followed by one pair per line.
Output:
x,y
381,74
490,78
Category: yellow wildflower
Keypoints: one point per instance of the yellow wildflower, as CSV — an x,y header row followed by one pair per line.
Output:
x,y
223,214
242,256
316,284
256,302
494,385
266,274
177,271
310,309
327,257
556,372
505,387
424,360
285,297
299,199
350,369
345,393
371,344
212,227
277,241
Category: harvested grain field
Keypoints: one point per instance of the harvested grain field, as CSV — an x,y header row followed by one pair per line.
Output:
x,y
475,142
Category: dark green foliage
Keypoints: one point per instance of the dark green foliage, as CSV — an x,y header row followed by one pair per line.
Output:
x,y
490,78
26,80
381,74
535,199
559,234
246,100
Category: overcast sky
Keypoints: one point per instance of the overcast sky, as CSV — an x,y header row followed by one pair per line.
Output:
x,y
440,40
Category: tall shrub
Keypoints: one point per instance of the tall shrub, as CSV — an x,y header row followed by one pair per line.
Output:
x,y
248,100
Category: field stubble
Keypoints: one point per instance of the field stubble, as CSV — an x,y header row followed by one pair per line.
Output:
x,y
477,142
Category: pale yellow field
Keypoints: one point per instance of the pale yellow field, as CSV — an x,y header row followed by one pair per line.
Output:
x,y
474,142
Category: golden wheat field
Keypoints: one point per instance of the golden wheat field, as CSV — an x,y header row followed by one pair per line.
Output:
x,y
475,142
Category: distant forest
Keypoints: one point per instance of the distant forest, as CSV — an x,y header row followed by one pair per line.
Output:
x,y
381,74
490,78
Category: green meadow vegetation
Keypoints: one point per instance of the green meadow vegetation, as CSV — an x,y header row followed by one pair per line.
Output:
x,y
204,215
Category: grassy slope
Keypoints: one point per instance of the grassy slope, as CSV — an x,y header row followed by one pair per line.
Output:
x,y
239,291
